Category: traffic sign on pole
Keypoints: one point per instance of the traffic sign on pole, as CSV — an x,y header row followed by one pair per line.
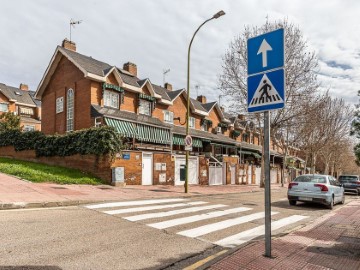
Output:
x,y
188,143
266,91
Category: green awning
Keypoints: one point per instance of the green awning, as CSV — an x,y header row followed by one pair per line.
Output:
x,y
141,132
256,155
153,134
180,140
124,128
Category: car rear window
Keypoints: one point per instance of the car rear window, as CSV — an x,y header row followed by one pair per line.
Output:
x,y
311,179
348,178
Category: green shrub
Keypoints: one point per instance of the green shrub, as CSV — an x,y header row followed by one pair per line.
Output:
x,y
9,137
27,140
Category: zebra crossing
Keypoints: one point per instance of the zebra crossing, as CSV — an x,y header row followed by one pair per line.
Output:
x,y
182,216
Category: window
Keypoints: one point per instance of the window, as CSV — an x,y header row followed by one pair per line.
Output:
x,y
204,126
111,99
70,110
144,107
245,137
59,104
4,107
28,128
98,122
26,111
168,117
191,122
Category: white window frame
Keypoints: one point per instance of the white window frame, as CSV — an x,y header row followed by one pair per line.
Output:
x,y
145,107
168,117
97,122
7,106
28,128
70,110
111,99
191,122
59,104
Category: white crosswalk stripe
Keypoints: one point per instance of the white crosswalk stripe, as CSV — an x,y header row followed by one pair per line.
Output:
x,y
185,220
206,229
174,212
248,235
133,203
211,230
147,208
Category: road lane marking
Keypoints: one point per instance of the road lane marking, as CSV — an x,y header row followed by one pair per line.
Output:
x,y
133,203
185,220
209,228
153,207
248,235
174,212
202,262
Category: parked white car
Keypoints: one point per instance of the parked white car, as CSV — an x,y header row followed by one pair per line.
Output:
x,y
323,189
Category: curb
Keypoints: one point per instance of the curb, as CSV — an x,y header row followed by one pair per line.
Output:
x,y
24,205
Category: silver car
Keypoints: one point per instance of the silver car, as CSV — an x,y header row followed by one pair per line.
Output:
x,y
323,189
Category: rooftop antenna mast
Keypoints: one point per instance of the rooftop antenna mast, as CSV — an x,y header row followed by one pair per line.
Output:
x,y
72,24
197,87
165,71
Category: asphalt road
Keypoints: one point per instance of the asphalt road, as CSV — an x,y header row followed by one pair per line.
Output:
x,y
82,238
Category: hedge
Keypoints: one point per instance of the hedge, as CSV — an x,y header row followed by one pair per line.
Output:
x,y
96,141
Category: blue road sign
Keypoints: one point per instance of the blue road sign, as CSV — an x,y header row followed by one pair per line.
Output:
x,y
266,91
266,52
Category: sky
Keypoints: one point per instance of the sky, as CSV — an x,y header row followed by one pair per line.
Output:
x,y
155,35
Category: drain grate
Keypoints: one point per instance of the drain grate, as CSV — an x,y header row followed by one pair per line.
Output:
x,y
159,190
250,204
59,187
104,188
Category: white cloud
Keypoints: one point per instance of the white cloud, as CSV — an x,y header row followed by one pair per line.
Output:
x,y
155,34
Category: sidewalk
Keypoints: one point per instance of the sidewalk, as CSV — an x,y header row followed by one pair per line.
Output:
x,y
331,242
16,193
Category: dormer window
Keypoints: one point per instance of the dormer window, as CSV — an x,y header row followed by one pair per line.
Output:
x,y
111,99
191,122
144,107
168,117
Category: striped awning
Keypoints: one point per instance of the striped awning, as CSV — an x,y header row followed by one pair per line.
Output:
x,y
180,140
124,128
153,134
141,132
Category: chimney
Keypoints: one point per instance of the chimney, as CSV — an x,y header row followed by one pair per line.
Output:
x,y
70,45
241,117
24,87
168,86
222,109
131,68
201,99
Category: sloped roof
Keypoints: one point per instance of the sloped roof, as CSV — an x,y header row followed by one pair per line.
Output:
x,y
174,94
161,91
197,105
208,106
16,94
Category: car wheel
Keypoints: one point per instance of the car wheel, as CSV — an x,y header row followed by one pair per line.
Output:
x,y
331,205
292,202
343,199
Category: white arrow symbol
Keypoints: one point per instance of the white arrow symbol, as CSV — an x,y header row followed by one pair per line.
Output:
x,y
264,47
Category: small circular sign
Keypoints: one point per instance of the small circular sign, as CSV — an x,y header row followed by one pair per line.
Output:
x,y
188,140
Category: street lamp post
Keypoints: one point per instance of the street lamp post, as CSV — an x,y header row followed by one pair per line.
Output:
x,y
217,15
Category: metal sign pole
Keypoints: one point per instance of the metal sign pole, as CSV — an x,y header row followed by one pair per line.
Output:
x,y
267,184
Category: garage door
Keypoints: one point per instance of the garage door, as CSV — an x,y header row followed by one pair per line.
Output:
x,y
193,170
258,175
273,176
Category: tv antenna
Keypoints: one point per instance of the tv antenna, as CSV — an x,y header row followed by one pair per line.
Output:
x,y
72,24
197,87
165,71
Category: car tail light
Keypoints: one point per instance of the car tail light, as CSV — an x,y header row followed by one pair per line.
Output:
x,y
292,184
357,182
322,187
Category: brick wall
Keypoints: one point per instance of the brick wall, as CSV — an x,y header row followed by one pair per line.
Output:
x,y
98,166
132,167
66,76
203,171
163,158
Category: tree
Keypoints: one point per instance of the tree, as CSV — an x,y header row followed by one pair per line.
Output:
x,y
300,77
9,121
355,131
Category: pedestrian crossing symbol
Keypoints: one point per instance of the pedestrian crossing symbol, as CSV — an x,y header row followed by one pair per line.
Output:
x,y
266,91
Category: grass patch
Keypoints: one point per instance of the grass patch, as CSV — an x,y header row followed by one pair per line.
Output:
x,y
40,173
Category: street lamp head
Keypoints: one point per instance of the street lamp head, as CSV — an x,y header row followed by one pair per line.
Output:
x,y
219,14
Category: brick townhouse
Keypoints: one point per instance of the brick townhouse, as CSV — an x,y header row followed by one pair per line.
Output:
x,y
78,91
21,101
